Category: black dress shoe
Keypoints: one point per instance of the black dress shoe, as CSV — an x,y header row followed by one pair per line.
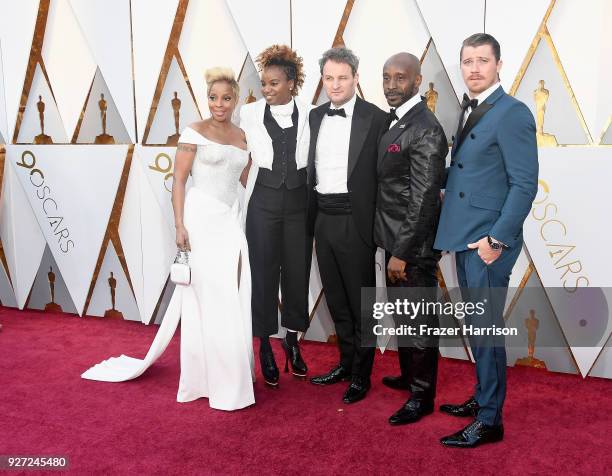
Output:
x,y
468,408
396,383
476,433
357,390
335,375
411,412
269,369
293,355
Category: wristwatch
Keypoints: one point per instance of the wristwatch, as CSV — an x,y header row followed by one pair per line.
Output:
x,y
495,245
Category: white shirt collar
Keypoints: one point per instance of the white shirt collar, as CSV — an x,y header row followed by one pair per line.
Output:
x,y
404,108
348,106
282,109
486,93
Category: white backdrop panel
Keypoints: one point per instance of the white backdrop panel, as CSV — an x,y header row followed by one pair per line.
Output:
x,y
40,295
447,106
17,24
313,27
450,22
71,190
101,299
514,25
147,241
561,118
65,49
106,26
163,122
7,294
261,27
206,24
557,359
3,123
30,125
566,215
151,25
17,220
369,34
582,33
92,119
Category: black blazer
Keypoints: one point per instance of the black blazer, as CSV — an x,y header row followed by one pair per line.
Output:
x,y
368,121
411,170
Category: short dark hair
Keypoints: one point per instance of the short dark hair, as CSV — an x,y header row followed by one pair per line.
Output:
x,y
479,39
340,55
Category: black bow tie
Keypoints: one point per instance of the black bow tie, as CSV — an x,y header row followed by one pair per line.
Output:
x,y
467,102
336,112
392,116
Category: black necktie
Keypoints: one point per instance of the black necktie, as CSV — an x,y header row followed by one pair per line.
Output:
x,y
392,116
336,112
465,103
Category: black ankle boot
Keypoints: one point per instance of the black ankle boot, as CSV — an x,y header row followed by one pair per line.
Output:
x,y
293,355
269,369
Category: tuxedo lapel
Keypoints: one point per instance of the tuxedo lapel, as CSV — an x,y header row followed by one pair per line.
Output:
x,y
360,125
390,136
476,115
317,119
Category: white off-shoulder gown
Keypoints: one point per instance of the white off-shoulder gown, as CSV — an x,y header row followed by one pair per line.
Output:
x,y
215,309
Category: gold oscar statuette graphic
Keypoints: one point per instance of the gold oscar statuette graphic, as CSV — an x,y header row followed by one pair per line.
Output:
x,y
176,107
112,313
540,97
42,138
532,324
250,98
432,98
103,138
52,306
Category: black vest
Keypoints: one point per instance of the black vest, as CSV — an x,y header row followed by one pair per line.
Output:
x,y
284,141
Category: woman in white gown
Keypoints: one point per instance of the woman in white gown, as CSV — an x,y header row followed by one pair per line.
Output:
x,y
216,339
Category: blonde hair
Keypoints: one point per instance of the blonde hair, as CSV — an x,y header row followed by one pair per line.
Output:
x,y
214,75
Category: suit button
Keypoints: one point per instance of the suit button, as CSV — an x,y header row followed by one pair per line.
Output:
x,y
461,194
452,163
460,166
453,139
472,136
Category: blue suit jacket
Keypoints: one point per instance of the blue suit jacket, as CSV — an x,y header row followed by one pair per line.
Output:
x,y
493,176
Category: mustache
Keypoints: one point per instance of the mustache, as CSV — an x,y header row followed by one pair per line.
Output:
x,y
393,92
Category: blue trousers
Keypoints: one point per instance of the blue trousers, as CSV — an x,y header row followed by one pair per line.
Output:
x,y
479,281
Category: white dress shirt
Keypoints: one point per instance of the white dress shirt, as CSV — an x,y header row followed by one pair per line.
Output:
x,y
481,98
331,155
404,108
282,114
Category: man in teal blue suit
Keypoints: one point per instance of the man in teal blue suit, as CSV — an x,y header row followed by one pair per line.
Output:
x,y
491,183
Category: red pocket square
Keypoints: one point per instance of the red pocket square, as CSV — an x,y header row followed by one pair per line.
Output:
x,y
393,148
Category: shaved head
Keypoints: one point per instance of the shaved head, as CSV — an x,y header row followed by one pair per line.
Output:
x,y
401,78
406,61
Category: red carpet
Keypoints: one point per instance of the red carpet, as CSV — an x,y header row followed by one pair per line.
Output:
x,y
554,423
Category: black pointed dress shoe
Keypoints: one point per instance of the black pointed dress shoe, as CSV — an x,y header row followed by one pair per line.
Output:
x,y
357,390
293,356
476,433
411,412
335,375
269,369
467,408
396,383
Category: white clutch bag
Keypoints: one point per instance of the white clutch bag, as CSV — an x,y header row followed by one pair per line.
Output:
x,y
180,272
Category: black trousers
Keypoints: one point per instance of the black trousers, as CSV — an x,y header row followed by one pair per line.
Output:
x,y
280,250
346,264
418,355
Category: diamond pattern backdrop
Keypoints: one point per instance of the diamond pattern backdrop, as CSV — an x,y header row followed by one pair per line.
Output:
x,y
102,72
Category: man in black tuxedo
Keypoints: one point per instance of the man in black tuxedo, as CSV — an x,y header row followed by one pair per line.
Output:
x,y
410,174
342,194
